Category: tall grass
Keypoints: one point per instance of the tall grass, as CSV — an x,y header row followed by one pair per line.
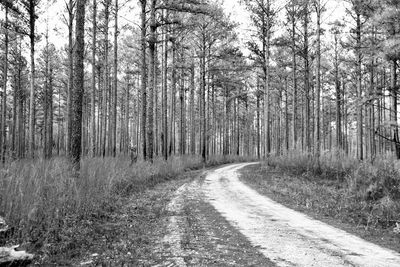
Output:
x,y
367,190
37,197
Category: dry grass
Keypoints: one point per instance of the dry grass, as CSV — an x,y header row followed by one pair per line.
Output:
x,y
42,200
363,193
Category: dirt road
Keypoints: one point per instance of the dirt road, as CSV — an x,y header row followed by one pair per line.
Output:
x,y
269,233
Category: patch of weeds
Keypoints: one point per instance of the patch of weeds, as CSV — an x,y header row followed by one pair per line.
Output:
x,y
58,216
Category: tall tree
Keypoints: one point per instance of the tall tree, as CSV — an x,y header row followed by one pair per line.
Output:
x,y
115,87
30,6
70,8
319,11
3,138
78,89
151,84
143,78
93,98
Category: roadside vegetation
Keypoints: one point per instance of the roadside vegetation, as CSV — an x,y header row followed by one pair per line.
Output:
x,y
362,197
51,212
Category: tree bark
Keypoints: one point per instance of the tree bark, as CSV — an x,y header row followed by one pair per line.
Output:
x,y
318,93
93,113
70,8
150,112
165,95
115,87
294,72
360,151
3,138
32,20
78,89
394,108
143,78
192,111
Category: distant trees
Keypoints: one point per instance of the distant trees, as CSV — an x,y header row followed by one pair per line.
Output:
x,y
179,83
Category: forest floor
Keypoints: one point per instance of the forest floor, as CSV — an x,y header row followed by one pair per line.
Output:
x,y
216,217
169,224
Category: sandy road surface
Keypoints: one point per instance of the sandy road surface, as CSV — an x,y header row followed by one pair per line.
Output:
x,y
287,237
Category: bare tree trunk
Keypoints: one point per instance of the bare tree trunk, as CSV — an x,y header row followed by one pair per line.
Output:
x,y
77,95
106,84
3,137
182,132
32,20
360,153
307,78
294,66
165,96
150,112
93,122
114,112
155,105
267,83
192,112
45,98
203,102
144,77
394,108
318,93
286,115
70,8
173,101
258,96
127,112
338,96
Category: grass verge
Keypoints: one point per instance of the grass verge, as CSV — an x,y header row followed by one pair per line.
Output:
x,y
56,215
362,198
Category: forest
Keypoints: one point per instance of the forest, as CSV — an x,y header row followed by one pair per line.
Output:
x,y
104,99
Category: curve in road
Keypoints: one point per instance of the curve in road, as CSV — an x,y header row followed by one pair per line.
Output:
x,y
288,237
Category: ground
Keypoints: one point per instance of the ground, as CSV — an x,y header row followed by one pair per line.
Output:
x,y
210,218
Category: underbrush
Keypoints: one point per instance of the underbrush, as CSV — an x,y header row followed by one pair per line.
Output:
x,y
42,200
363,193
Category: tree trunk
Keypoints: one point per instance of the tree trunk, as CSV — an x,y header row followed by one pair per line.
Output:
x,y
267,82
106,84
77,94
70,8
338,96
143,77
360,151
150,112
93,122
203,101
318,95
182,133
307,78
165,96
173,101
115,87
192,112
258,96
3,137
32,20
45,98
294,66
394,108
